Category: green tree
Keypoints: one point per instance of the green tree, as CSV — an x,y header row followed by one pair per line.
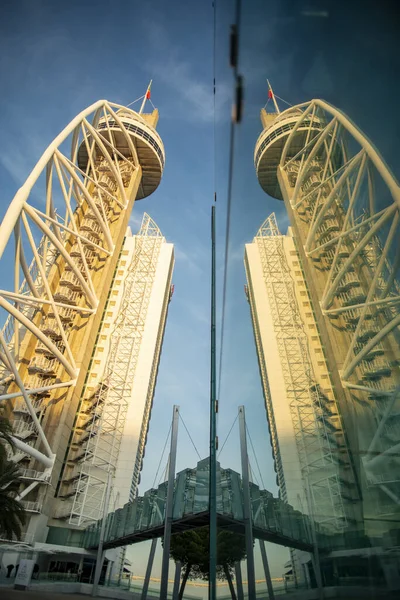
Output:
x,y
12,514
191,548
5,438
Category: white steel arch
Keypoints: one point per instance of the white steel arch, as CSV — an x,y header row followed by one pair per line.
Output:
x,y
58,236
346,204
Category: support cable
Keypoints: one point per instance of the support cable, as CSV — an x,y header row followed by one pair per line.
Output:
x,y
137,100
253,475
163,476
279,98
162,456
190,437
255,456
229,433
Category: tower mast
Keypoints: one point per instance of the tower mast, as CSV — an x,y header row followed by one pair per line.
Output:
x,y
272,95
146,97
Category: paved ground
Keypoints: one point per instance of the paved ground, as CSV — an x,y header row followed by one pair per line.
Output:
x,y
8,594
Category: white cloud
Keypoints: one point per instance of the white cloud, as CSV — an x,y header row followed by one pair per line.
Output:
x,y
192,260
194,97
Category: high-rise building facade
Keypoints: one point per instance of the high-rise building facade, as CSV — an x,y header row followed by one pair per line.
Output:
x,y
304,422
112,421
86,306
325,309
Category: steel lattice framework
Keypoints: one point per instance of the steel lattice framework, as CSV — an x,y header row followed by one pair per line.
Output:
x,y
314,413
66,224
102,415
345,204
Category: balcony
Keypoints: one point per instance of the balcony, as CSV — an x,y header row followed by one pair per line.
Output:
x,y
328,226
43,349
84,435
70,280
97,397
33,475
344,251
91,238
24,429
21,407
73,473
354,295
349,280
37,381
368,330
377,350
51,329
91,227
32,507
107,183
375,369
351,318
86,418
40,364
20,454
76,455
65,295
313,181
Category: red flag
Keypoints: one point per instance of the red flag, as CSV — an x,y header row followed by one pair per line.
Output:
x,y
269,93
148,95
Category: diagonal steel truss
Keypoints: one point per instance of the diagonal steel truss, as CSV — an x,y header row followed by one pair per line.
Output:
x,y
346,205
101,420
62,246
316,423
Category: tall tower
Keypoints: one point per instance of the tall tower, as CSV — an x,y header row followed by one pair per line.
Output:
x,y
68,224
343,204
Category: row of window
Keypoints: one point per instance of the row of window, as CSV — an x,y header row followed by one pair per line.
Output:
x,y
140,133
309,314
277,132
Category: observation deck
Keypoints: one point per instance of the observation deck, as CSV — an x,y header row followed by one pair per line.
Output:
x,y
270,144
147,142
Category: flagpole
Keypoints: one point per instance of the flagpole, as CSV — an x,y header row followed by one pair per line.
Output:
x,y
273,97
145,97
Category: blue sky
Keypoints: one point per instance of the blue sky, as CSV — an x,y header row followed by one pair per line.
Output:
x,y
57,58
